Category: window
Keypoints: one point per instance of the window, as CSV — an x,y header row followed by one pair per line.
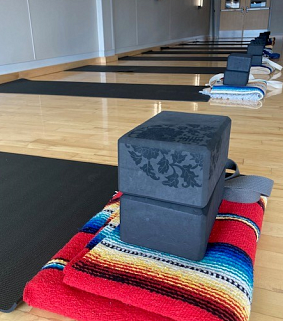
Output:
x,y
258,4
233,4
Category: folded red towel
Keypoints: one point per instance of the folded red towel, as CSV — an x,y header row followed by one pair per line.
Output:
x,y
47,290
112,280
217,288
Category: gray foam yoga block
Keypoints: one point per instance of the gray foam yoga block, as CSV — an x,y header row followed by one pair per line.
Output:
x,y
259,41
257,60
239,62
175,157
176,229
235,78
256,51
238,70
264,36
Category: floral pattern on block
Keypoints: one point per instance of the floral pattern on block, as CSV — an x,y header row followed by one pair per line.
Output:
x,y
173,168
193,134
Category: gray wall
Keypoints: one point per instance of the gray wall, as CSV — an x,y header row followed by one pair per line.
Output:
x,y
189,21
125,23
141,23
276,21
63,28
15,36
153,21
38,33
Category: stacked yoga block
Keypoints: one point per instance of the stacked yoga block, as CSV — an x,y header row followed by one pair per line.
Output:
x,y
238,69
255,49
171,172
264,36
239,65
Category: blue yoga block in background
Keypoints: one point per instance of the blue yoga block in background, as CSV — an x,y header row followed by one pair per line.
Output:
x,y
174,157
175,229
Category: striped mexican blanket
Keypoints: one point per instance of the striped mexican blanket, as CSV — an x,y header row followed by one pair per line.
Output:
x,y
249,104
96,276
254,91
48,291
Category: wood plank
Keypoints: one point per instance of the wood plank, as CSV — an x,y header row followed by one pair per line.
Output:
x,y
268,303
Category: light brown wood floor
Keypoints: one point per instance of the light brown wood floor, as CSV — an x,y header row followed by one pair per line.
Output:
x,y
87,129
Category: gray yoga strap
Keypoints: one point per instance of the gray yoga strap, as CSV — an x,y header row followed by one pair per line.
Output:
x,y
245,189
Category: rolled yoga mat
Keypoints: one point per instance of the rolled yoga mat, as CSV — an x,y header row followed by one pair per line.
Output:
x,y
44,202
152,69
191,52
105,90
176,58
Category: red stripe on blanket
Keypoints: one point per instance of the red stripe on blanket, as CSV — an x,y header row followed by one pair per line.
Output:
x,y
252,211
47,291
179,310
199,297
235,233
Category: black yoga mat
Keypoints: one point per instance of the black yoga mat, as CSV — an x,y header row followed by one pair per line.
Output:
x,y
107,90
44,202
204,49
195,58
150,69
218,41
201,45
191,52
215,43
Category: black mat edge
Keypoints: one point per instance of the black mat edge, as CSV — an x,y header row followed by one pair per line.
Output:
x,y
105,90
183,52
149,69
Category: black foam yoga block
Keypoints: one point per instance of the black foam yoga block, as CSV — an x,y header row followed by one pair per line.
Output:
x,y
179,230
175,157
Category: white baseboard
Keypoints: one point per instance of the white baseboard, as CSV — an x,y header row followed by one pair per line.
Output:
x,y
7,69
